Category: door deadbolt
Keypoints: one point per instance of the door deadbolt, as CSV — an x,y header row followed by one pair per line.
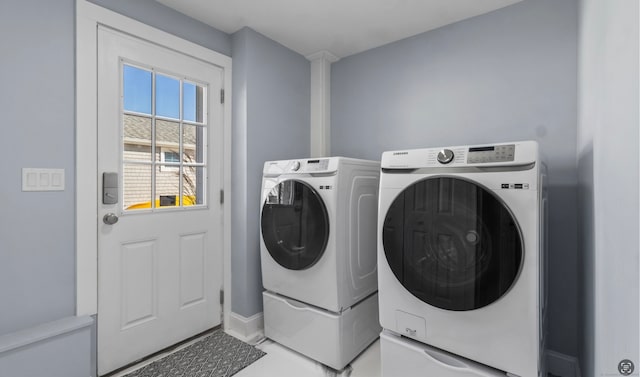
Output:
x,y
109,188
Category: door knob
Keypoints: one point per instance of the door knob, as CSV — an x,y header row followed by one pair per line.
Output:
x,y
110,218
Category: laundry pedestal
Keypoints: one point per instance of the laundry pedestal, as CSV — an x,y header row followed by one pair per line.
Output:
x,y
333,339
408,358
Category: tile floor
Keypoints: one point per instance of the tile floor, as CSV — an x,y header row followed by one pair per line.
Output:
x,y
279,361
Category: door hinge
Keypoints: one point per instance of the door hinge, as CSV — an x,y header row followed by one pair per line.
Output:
x,y
221,196
221,95
221,297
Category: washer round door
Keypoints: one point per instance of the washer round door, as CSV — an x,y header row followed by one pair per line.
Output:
x,y
452,243
295,225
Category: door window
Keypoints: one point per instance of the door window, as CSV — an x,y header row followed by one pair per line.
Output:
x,y
164,140
295,225
452,243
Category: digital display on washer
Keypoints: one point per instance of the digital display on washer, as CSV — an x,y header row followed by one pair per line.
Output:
x,y
481,149
452,243
498,153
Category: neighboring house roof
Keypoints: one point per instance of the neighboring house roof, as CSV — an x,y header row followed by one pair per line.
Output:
x,y
137,130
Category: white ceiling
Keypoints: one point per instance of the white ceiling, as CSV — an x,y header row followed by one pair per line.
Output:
x,y
341,27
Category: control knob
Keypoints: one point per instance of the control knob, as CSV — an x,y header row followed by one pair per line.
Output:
x,y
445,156
295,166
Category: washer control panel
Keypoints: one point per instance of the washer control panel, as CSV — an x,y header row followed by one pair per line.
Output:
x,y
474,157
498,153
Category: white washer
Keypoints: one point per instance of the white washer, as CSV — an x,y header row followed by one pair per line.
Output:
x,y
318,255
461,252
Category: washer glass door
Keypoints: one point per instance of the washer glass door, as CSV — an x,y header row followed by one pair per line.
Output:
x,y
452,243
295,225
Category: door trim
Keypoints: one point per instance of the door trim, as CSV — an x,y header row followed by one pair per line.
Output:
x,y
88,17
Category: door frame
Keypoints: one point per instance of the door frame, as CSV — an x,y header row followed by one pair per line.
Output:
x,y
88,17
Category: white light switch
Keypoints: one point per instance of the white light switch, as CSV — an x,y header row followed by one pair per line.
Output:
x,y
42,179
57,180
32,180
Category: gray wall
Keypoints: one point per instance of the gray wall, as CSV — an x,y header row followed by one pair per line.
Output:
x,y
507,75
271,121
37,252
608,165
164,18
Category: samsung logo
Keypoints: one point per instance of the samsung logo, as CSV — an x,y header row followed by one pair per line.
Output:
x,y
399,153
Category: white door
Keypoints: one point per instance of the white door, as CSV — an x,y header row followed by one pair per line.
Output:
x,y
160,159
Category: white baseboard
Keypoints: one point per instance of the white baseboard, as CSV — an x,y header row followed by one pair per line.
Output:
x,y
562,365
249,330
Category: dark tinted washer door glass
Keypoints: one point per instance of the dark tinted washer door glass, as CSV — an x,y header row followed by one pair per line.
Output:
x,y
295,225
452,243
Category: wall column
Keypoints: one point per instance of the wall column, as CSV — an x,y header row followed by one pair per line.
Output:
x,y
321,103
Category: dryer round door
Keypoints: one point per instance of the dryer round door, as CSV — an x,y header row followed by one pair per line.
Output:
x,y
452,243
295,225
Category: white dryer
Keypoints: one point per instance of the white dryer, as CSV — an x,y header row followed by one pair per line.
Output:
x,y
318,256
461,252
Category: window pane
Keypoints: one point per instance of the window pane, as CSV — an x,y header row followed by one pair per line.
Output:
x,y
167,97
189,101
193,185
136,186
137,90
137,138
167,137
194,138
171,156
167,186
193,103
